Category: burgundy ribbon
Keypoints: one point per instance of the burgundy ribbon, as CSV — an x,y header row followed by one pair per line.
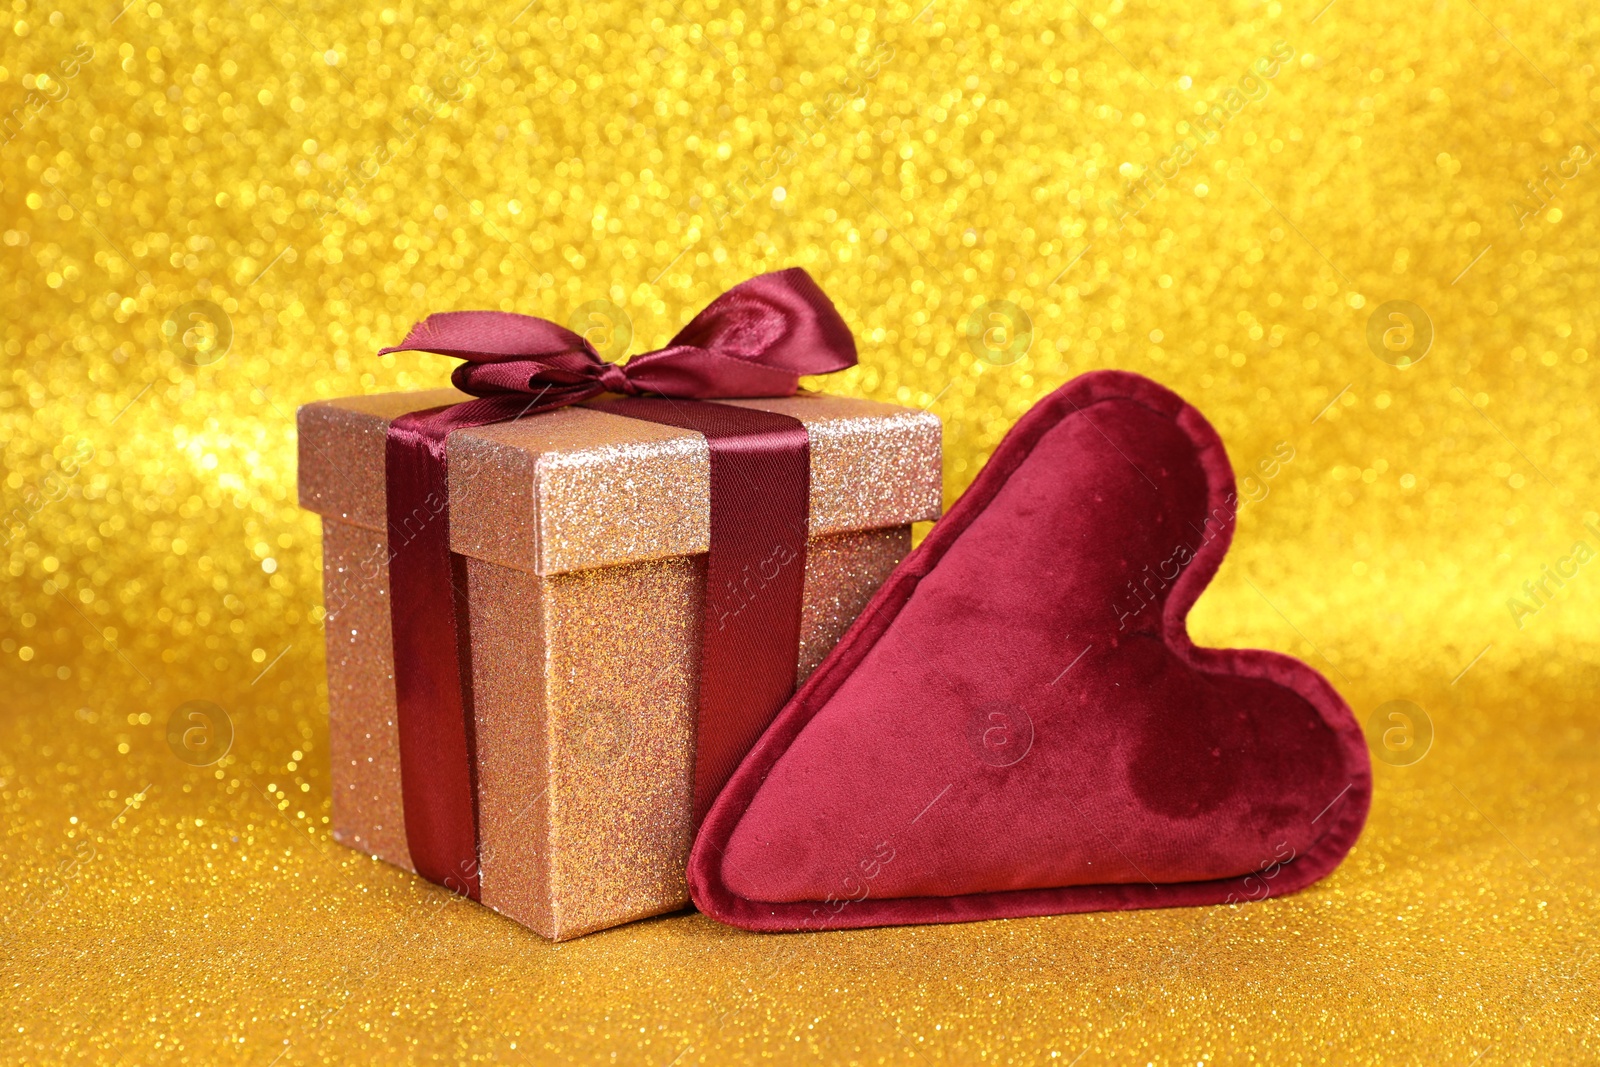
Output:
x,y
755,340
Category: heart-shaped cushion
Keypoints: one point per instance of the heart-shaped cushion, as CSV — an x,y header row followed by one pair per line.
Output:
x,y
1018,723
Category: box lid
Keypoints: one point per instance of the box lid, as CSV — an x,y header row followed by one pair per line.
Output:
x,y
577,488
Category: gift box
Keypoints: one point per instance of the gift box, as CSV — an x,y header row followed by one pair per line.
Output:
x,y
580,538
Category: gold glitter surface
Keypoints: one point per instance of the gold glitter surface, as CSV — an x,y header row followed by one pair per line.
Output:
x,y
212,213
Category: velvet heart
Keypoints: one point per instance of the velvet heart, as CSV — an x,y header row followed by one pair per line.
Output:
x,y
1018,723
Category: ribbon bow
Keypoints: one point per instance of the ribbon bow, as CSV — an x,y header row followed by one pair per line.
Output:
x,y
755,340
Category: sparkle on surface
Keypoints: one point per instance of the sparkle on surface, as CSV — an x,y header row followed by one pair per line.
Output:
x,y
211,213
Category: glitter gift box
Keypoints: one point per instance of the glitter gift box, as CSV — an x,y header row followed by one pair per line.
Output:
x,y
581,539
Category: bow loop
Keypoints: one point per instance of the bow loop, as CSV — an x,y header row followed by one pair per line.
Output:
x,y
757,339
782,320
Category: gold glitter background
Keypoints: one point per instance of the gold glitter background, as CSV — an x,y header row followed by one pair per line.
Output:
x,y
214,212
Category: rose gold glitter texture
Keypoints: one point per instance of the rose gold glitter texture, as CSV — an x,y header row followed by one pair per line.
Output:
x,y
585,535
612,699
363,744
342,452
574,488
868,460
842,573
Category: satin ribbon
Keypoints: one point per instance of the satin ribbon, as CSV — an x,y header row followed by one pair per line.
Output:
x,y
755,340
